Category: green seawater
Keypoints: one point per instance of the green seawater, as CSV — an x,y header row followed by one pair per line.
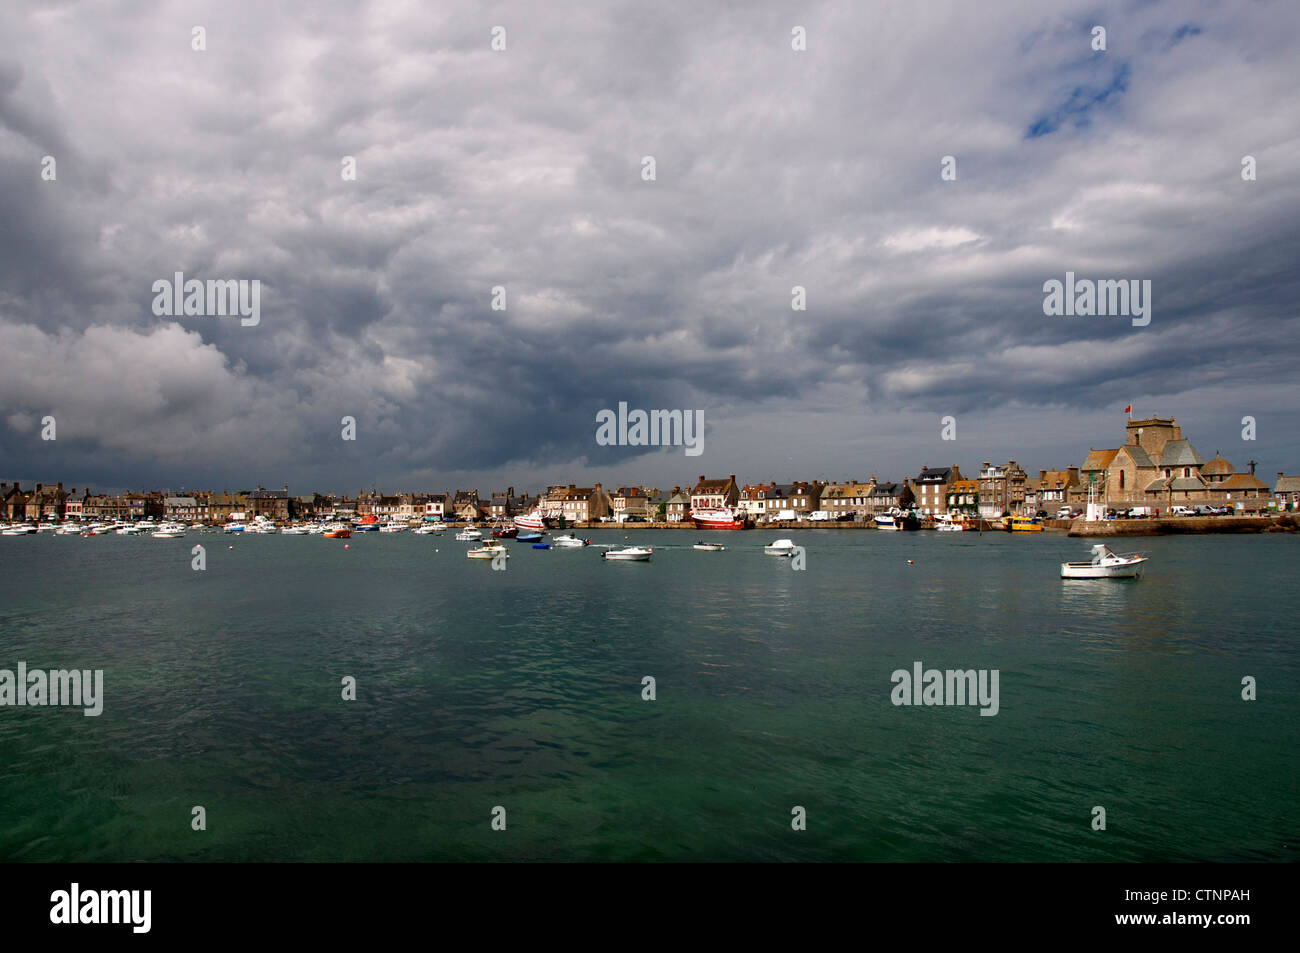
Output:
x,y
523,689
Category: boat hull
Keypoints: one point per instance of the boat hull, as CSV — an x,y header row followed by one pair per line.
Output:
x,y
1089,571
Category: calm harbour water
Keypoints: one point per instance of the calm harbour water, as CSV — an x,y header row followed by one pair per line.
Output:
x,y
523,688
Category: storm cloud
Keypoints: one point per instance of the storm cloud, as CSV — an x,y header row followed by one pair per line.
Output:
x,y
523,168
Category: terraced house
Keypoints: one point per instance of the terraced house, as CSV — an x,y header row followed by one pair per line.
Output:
x,y
1002,489
931,489
715,493
964,498
883,497
848,498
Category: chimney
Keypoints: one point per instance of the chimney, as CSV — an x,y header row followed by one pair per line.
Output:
x,y
701,480
60,484
1042,474
38,487
1279,474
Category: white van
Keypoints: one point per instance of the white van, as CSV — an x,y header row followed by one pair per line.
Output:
x,y
819,516
1182,511
786,515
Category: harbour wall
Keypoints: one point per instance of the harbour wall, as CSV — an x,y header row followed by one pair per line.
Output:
x,y
1175,525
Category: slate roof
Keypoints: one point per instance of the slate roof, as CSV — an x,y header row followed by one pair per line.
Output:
x,y
1180,453
1140,456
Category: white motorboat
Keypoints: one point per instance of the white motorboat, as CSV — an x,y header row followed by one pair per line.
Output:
x,y
946,524
169,531
129,530
709,547
569,542
294,531
392,526
47,528
426,529
18,529
234,527
489,550
640,554
1106,565
70,529
782,547
315,529
886,521
469,535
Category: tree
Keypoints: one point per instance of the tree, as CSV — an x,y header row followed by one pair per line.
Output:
x,y
906,499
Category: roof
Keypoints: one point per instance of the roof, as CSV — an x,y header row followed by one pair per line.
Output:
x,y
1287,484
884,489
1218,466
712,486
1180,453
1099,459
260,494
1057,478
934,475
1242,481
1139,455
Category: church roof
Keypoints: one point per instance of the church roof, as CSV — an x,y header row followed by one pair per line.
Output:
x,y
1180,453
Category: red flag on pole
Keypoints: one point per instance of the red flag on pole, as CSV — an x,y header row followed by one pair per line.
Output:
x,y
1128,409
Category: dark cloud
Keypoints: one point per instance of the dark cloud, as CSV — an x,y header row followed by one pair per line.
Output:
x,y
522,169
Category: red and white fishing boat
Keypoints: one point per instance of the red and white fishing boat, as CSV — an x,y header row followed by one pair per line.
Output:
x,y
717,517
534,522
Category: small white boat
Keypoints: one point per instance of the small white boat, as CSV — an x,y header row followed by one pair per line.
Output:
x,y
426,529
169,531
294,531
886,521
235,527
782,547
946,524
392,526
640,554
18,530
569,542
709,547
489,550
1106,565
70,529
129,530
469,535
47,528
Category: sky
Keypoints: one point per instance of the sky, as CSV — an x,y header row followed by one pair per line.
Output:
x,y
223,153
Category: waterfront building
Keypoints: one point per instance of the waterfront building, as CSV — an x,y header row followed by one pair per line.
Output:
x,y
930,487
883,497
849,497
964,498
631,501
715,493
585,504
1001,489
1287,489
678,508
753,499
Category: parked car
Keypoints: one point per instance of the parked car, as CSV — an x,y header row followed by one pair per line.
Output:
x,y
1041,514
1182,511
